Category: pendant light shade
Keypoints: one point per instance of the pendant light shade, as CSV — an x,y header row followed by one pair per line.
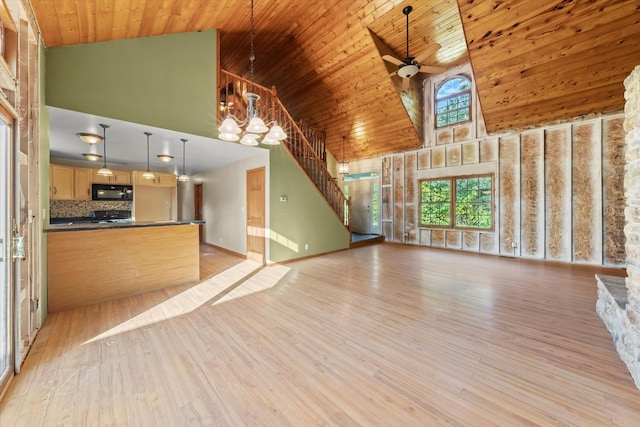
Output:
x,y
104,171
92,156
89,138
148,174
184,177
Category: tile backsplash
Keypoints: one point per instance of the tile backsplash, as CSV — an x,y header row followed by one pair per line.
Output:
x,y
83,208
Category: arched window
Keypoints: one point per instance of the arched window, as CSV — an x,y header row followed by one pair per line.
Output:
x,y
453,101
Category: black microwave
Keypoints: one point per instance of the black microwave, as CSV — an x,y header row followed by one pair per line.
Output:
x,y
111,192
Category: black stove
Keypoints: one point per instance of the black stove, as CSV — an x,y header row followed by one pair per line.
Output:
x,y
111,216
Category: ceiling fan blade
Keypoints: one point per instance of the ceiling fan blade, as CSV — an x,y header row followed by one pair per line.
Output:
x,y
432,49
432,69
405,84
393,60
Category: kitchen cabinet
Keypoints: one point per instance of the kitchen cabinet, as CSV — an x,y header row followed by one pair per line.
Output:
x,y
160,180
118,177
61,182
82,183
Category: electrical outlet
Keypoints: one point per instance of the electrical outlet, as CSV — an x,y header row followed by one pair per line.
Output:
x,y
306,246
514,245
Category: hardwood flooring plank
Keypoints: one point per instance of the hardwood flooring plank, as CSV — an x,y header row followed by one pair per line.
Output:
x,y
379,335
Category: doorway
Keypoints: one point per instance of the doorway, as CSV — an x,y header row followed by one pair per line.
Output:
x,y
6,307
364,196
256,215
197,208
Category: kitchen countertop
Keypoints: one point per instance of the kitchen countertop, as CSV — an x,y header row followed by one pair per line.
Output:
x,y
82,226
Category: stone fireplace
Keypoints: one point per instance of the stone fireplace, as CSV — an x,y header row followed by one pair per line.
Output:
x,y
619,298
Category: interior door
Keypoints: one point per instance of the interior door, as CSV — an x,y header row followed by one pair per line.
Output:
x,y
365,206
256,215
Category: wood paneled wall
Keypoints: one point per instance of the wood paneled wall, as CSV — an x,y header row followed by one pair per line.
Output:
x,y
558,190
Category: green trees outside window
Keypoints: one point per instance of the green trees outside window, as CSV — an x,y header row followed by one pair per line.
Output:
x,y
457,202
453,101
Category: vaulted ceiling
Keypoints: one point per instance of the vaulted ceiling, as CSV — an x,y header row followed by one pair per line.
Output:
x,y
534,62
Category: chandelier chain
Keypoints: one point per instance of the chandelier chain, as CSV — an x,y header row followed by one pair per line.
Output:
x,y
252,56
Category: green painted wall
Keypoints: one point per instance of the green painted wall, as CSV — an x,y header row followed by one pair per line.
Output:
x,y
164,81
304,218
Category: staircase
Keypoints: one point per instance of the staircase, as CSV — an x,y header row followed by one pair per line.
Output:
x,y
304,144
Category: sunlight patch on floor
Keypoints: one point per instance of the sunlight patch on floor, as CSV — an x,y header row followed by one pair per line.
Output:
x,y
187,301
262,280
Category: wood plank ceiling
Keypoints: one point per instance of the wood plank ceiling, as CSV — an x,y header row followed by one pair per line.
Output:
x,y
328,70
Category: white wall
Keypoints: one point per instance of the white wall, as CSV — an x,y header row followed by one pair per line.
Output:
x,y
224,204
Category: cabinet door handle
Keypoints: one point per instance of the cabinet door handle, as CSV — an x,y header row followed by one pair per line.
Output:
x,y
55,190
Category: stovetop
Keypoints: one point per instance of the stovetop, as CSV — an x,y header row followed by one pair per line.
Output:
x,y
111,216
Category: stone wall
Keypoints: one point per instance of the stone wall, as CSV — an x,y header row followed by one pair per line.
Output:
x,y
619,305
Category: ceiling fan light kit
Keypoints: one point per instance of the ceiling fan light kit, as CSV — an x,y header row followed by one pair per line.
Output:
x,y
410,66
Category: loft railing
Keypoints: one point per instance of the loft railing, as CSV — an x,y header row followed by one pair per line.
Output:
x,y
231,96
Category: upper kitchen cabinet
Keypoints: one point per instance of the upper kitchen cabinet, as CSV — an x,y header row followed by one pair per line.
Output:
x,y
118,177
61,180
160,179
82,184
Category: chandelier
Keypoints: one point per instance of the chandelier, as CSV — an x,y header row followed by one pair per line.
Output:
x,y
231,127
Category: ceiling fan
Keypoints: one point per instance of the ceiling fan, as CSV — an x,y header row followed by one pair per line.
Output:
x,y
410,66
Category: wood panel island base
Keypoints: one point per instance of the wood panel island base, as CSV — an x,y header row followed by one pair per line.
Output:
x,y
95,264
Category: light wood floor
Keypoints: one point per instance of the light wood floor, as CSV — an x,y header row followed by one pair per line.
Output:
x,y
380,335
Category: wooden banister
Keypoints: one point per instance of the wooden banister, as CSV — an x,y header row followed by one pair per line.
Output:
x,y
311,157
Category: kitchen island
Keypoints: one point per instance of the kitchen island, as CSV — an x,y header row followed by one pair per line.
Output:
x,y
91,263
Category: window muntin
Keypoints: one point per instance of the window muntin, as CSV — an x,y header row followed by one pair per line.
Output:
x,y
453,101
473,202
457,202
435,202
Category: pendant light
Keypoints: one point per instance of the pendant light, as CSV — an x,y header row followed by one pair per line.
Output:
x,y
105,171
231,127
343,166
184,177
165,157
89,138
148,174
93,157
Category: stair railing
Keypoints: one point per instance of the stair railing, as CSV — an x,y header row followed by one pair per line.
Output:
x,y
231,96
